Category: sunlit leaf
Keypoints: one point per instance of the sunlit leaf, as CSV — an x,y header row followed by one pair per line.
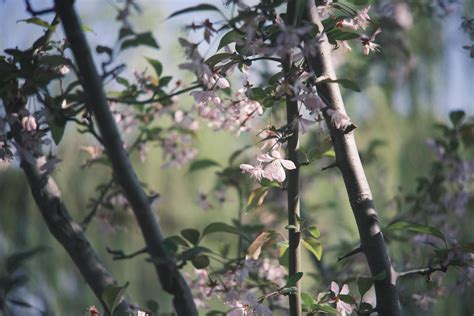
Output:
x,y
255,247
313,246
157,66
229,37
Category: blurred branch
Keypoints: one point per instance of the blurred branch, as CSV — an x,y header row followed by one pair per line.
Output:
x,y
422,271
170,277
120,255
85,222
357,186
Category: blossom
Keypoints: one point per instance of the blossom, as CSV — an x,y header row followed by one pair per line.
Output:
x,y
341,306
360,21
339,120
368,43
275,169
313,103
255,172
29,123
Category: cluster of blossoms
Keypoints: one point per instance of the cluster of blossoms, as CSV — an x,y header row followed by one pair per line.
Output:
x,y
234,290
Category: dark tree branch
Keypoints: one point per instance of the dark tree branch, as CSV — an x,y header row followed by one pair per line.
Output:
x,y
153,99
351,253
333,165
86,221
358,190
170,277
67,232
34,12
294,250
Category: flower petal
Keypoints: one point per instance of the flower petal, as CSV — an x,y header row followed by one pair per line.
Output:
x,y
288,164
334,288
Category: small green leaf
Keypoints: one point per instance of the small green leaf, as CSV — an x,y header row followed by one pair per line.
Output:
x,y
200,262
192,235
145,39
256,198
218,227
113,295
307,299
364,284
157,66
269,184
217,58
283,254
202,164
365,307
347,298
229,37
293,279
326,309
276,77
86,28
36,21
314,231
190,253
456,117
153,306
417,228
313,246
177,241
199,7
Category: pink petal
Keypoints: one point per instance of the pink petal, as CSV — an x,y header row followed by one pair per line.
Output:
x,y
344,290
265,158
334,288
288,164
246,167
276,154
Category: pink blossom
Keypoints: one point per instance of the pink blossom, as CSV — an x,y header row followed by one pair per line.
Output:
x,y
275,169
339,120
313,103
29,123
342,307
368,43
255,172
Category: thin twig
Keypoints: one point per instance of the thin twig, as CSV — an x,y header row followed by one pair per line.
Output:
x,y
351,253
120,255
422,271
152,98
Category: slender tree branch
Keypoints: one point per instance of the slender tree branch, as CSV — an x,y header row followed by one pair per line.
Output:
x,y
333,165
358,190
153,100
170,277
294,250
120,255
85,222
351,253
34,12
422,271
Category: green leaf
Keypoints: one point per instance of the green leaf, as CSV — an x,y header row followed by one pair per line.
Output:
x,y
346,83
269,184
200,262
347,298
274,78
199,7
218,227
217,58
192,235
456,117
365,307
202,164
326,308
313,246
338,35
36,21
145,39
229,37
189,254
57,126
314,231
177,241
307,299
283,254
364,284
86,28
293,279
113,295
157,66
153,306
417,228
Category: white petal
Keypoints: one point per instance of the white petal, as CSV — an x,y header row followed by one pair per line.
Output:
x,y
276,154
334,288
246,167
344,290
288,164
265,158
275,171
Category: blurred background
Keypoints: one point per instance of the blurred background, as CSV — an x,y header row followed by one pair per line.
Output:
x,y
421,73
